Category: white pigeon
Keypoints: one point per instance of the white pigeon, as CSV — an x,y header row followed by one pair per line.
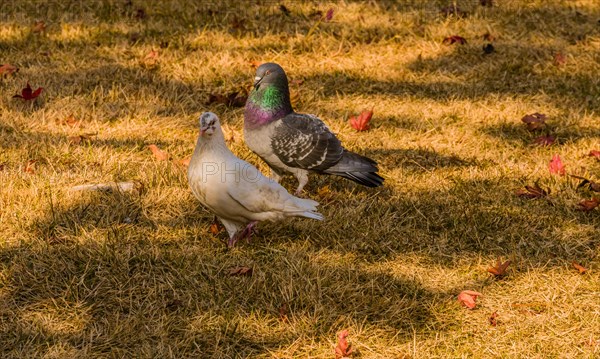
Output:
x,y
237,193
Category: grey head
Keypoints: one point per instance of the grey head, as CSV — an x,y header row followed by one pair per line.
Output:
x,y
269,73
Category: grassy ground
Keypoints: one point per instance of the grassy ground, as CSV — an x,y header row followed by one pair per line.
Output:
x,y
141,275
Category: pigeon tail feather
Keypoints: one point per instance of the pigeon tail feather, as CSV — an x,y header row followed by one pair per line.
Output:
x,y
303,208
357,168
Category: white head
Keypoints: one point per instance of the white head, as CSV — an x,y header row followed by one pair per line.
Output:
x,y
209,124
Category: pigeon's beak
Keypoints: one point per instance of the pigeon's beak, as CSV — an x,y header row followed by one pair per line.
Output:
x,y
257,81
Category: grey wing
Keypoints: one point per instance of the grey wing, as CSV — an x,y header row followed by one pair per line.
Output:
x,y
304,141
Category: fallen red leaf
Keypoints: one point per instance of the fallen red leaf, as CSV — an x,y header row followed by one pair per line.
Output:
x,y
329,15
499,270
595,153
361,122
493,319
185,161
343,348
255,63
38,27
535,121
560,59
587,205
8,69
532,192
556,166
158,153
579,267
2,166
544,140
454,39
30,167
240,271
28,94
468,298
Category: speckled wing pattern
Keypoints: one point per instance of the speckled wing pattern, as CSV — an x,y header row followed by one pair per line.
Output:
x,y
304,141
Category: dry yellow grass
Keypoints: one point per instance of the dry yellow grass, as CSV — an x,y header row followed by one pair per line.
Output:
x,y
140,275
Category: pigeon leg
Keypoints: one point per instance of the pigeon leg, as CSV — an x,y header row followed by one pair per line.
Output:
x,y
233,240
245,233
249,231
302,181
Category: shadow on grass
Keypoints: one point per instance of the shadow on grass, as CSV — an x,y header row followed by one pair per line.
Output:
x,y
418,159
100,255
516,133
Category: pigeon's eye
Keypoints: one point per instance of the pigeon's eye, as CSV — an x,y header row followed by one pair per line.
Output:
x,y
267,72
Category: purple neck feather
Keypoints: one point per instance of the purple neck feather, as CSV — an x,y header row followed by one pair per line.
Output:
x,y
255,116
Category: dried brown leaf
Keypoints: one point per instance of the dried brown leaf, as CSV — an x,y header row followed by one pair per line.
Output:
x,y
560,59
454,39
587,205
70,121
38,27
493,319
215,227
240,271
544,140
535,121
532,192
151,59
499,270
81,138
8,69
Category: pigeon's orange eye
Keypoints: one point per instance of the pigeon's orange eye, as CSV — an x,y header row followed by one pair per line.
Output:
x,y
267,72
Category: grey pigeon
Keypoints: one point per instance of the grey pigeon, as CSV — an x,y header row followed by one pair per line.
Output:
x,y
291,142
237,193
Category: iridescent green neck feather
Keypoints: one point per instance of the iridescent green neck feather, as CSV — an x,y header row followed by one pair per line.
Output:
x,y
267,103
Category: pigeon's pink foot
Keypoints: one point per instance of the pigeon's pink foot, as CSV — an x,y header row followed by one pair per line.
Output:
x,y
246,233
249,231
